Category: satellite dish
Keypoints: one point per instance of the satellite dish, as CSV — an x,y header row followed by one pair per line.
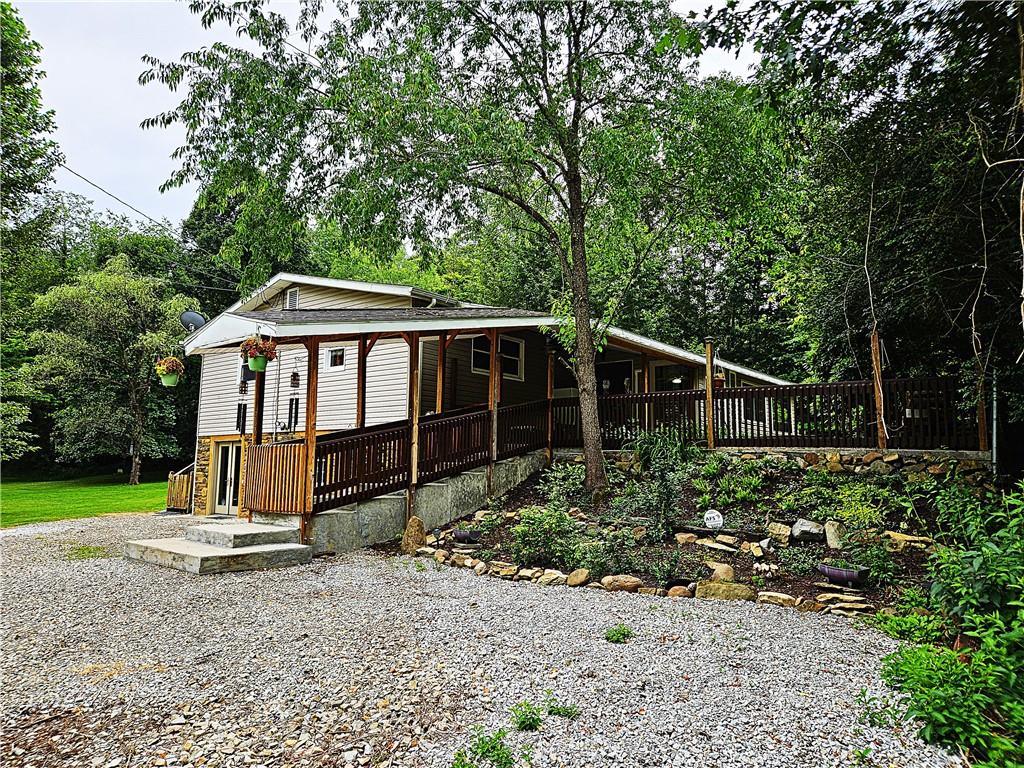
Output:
x,y
191,321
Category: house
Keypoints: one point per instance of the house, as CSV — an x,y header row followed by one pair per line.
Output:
x,y
381,353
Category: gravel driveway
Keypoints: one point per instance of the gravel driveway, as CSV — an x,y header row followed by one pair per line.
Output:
x,y
364,660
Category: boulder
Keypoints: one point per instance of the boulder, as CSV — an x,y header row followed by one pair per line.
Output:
x,y
578,578
780,533
551,578
621,583
724,590
891,458
811,606
656,591
871,456
835,466
721,571
415,535
680,591
529,574
441,555
834,532
879,467
807,530
776,598
685,538
480,568
811,458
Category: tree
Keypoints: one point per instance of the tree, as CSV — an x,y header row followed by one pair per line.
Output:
x,y
913,115
401,121
27,154
97,340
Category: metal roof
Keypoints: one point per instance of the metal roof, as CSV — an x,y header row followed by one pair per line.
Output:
x,y
392,314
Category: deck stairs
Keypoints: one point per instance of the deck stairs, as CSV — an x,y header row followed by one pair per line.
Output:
x,y
224,547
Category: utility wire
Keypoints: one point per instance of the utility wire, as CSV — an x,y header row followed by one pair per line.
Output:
x,y
177,236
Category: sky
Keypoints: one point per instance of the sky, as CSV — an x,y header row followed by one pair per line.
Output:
x,y
92,57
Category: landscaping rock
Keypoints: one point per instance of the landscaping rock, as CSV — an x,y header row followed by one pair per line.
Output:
x,y
756,550
712,544
415,535
680,591
779,533
811,606
891,458
900,541
721,571
529,574
833,597
480,568
621,583
578,578
683,539
722,590
776,598
808,530
731,541
879,467
441,555
834,532
425,552
551,578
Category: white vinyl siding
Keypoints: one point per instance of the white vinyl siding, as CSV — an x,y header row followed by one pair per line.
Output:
x,y
318,297
387,375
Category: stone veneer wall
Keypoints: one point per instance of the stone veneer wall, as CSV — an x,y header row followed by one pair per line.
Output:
x,y
975,466
202,476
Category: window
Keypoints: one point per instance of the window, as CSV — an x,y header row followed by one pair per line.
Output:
x,y
335,359
291,299
510,350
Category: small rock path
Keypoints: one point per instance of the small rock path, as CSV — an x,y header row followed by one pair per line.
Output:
x,y
362,660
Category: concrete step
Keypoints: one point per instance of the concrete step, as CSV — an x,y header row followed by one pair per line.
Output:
x,y
235,535
197,557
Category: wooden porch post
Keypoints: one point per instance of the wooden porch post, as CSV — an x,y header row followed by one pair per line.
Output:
x,y
708,384
413,340
361,354
442,355
258,397
645,387
493,397
876,370
309,433
551,405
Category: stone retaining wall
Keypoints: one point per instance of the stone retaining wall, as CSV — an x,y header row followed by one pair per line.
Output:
x,y
914,464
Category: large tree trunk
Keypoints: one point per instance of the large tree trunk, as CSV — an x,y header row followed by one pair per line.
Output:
x,y
136,471
586,375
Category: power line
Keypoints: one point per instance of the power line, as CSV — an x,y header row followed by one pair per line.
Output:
x,y
177,236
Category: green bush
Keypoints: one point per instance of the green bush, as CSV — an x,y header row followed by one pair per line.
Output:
x,y
653,499
545,537
658,449
526,716
914,627
620,633
564,485
615,553
976,703
870,553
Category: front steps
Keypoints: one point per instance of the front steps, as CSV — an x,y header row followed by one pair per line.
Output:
x,y
224,547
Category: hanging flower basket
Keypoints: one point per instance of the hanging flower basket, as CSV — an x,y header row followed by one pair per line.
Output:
x,y
258,352
169,369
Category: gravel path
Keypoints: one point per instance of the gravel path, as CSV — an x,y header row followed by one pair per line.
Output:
x,y
362,660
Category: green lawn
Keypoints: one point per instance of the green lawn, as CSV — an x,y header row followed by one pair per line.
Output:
x,y
36,501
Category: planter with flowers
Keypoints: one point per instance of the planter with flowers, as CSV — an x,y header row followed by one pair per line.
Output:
x,y
169,369
258,352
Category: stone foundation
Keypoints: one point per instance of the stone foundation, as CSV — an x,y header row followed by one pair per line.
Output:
x,y
914,464
202,476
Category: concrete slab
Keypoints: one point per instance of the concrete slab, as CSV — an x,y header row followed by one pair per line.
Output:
x,y
197,557
234,535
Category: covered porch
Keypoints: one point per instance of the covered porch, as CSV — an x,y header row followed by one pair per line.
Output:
x,y
465,408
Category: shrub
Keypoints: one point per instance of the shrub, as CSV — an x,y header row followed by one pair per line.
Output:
x,y
545,537
872,554
526,716
658,449
976,703
564,485
653,499
913,627
620,633
616,553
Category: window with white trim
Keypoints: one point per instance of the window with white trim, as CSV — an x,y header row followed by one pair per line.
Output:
x,y
510,350
335,359
291,298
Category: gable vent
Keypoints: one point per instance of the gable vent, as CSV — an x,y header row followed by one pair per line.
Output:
x,y
291,299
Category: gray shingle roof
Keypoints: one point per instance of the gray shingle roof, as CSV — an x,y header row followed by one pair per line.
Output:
x,y
301,316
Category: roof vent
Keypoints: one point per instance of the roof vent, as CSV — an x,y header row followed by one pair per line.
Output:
x,y
291,299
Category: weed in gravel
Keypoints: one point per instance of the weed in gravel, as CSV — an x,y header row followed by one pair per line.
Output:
x,y
490,748
879,713
526,716
86,552
620,633
554,707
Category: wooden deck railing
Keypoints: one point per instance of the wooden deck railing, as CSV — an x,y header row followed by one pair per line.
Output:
x,y
361,466
522,428
179,488
364,463
275,478
452,444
